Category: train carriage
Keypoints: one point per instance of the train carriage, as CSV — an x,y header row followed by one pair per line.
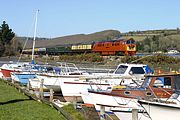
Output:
x,y
60,50
82,48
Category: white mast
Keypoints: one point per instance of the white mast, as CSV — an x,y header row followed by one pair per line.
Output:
x,y
34,38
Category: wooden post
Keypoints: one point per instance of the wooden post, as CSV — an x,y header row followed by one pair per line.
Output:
x,y
74,103
28,85
134,114
51,95
102,112
41,94
12,81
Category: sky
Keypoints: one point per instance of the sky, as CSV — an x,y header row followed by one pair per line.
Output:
x,y
57,18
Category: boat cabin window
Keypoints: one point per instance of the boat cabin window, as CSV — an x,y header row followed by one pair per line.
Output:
x,y
121,69
164,82
158,82
137,70
167,82
177,83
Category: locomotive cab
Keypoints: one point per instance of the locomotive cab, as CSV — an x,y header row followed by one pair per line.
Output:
x,y
130,47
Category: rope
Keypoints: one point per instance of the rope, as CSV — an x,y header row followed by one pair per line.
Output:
x,y
22,50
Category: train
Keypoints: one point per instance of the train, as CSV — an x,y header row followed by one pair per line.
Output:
x,y
113,47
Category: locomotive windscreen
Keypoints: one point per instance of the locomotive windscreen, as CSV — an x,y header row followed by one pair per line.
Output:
x,y
130,42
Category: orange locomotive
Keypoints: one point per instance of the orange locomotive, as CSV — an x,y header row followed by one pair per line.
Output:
x,y
118,47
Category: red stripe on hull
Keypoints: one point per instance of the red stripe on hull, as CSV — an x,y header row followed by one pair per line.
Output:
x,y
6,73
85,83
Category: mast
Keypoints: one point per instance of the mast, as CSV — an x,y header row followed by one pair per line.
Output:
x,y
34,38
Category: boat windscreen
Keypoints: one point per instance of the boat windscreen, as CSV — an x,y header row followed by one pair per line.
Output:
x,y
121,69
147,82
137,70
177,84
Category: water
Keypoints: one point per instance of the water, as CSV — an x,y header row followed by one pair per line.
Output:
x,y
148,54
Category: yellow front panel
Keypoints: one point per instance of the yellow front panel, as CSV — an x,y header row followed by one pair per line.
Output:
x,y
130,48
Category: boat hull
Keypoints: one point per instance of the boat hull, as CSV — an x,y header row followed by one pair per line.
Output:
x,y
22,78
126,114
72,90
1,75
120,106
159,111
6,73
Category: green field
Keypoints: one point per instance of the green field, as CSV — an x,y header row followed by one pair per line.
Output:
x,y
136,38
16,106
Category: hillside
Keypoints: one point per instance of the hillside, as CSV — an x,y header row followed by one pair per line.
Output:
x,y
72,39
148,41
141,35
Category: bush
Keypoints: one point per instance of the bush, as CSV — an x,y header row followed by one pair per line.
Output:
x,y
159,61
91,57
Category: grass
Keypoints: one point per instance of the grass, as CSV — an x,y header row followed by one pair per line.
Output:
x,y
73,112
16,106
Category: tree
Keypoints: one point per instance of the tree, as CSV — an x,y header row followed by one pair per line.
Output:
x,y
2,48
6,34
140,46
178,31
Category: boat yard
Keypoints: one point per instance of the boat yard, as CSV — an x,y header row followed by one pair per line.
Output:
x,y
126,77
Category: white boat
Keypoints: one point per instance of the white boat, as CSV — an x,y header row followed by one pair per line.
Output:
x,y
126,113
28,72
7,68
167,110
120,106
124,74
123,99
54,76
172,52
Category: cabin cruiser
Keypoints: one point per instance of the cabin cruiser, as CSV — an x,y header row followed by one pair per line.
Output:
x,y
165,109
124,74
122,99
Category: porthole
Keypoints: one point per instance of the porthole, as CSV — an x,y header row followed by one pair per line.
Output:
x,y
127,92
148,94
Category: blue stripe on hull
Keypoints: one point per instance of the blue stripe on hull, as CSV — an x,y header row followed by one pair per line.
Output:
x,y
24,78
